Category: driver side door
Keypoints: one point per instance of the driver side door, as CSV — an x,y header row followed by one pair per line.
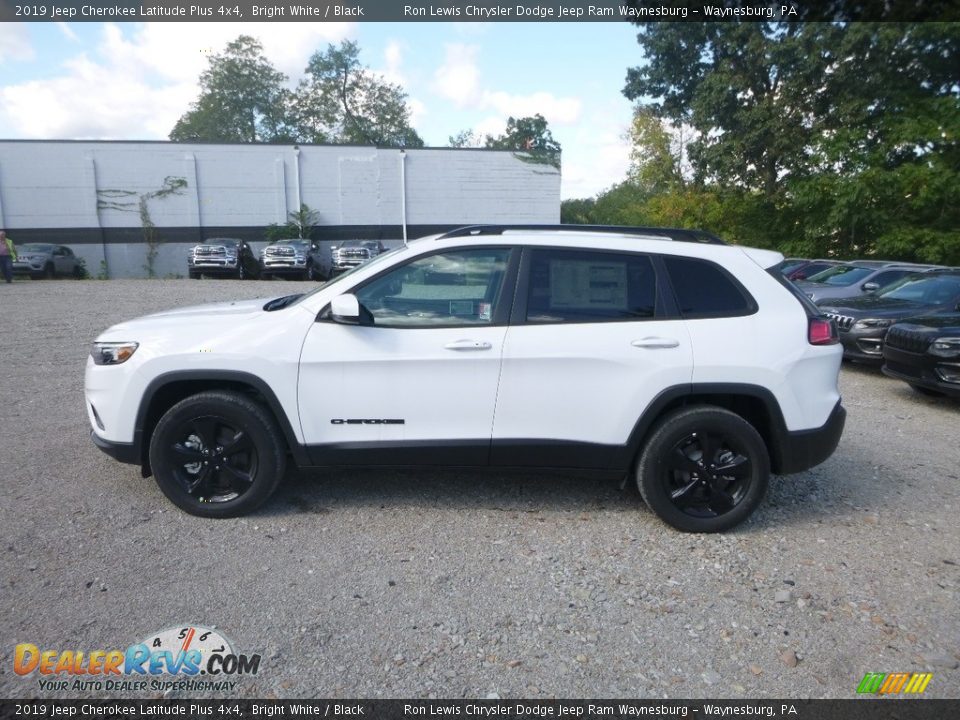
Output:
x,y
417,382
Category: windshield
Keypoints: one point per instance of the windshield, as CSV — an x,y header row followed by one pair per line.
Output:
x,y
378,260
928,289
840,275
294,241
36,247
788,266
229,242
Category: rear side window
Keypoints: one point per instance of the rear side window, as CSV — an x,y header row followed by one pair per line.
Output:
x,y
579,286
705,290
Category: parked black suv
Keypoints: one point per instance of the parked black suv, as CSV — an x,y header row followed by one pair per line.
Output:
x,y
863,321
925,352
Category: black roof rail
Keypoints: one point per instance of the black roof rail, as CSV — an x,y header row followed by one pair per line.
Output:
x,y
679,234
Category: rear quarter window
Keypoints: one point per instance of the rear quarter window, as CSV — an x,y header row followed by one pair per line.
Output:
x,y
705,290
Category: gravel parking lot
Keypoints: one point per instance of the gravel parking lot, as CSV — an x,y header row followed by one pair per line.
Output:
x,y
452,584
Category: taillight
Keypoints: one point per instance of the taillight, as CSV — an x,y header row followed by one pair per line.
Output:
x,y
822,331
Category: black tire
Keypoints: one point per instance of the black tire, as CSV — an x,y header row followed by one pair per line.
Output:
x,y
193,275
929,392
241,271
311,273
49,272
688,490
240,440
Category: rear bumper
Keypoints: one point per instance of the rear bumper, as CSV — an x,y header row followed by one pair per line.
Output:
x,y
803,449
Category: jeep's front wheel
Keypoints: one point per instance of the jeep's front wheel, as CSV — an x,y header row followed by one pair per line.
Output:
x,y
704,469
217,454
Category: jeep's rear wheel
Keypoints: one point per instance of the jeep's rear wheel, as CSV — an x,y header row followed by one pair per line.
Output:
x,y
705,469
217,454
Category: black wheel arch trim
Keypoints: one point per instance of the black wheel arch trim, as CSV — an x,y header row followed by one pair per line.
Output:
x,y
790,452
239,377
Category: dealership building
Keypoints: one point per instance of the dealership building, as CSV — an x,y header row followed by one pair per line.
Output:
x,y
90,195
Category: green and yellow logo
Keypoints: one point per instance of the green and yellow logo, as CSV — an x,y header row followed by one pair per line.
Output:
x,y
893,683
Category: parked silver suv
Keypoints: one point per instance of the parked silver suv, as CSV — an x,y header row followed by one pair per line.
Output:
x,y
350,253
42,260
853,279
300,259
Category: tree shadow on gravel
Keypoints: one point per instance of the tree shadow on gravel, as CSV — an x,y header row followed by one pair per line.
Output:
x,y
847,489
309,491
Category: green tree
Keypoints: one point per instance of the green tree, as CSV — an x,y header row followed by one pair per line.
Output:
x,y
464,139
530,137
242,99
655,157
299,225
343,101
828,138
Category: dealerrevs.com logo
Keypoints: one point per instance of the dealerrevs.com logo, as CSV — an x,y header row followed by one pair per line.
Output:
x,y
189,657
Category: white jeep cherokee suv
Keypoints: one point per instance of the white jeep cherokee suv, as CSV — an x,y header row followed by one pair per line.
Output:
x,y
664,354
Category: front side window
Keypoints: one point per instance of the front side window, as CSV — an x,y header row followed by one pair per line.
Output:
x,y
449,289
578,286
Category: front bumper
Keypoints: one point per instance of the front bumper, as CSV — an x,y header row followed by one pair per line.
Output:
x,y
277,267
920,369
28,268
122,452
864,345
803,449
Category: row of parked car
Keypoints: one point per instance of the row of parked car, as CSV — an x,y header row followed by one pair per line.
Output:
x,y
904,317
299,259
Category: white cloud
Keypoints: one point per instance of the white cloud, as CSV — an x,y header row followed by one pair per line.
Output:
x,y
596,154
67,31
14,43
393,59
557,111
458,79
494,126
136,86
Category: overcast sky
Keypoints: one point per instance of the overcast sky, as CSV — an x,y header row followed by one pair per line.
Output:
x,y
134,80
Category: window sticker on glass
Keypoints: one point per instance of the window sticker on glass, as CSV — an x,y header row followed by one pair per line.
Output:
x,y
486,311
588,284
461,307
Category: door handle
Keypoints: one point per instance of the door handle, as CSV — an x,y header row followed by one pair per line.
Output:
x,y
468,345
656,343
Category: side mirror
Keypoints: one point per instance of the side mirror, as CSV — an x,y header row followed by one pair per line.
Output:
x,y
870,287
345,309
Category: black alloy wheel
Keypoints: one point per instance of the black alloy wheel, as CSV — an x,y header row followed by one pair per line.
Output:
x,y
705,469
217,454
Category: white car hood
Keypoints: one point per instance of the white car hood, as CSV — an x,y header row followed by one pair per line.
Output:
x,y
226,314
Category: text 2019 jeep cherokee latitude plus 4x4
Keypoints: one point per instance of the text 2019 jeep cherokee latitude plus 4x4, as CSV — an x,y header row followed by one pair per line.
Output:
x,y
691,364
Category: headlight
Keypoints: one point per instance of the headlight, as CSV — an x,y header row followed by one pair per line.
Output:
x,y
113,353
945,347
871,323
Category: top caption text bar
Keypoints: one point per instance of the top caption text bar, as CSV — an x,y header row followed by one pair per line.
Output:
x,y
476,11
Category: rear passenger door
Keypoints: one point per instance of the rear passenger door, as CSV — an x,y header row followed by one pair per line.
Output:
x,y
590,345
